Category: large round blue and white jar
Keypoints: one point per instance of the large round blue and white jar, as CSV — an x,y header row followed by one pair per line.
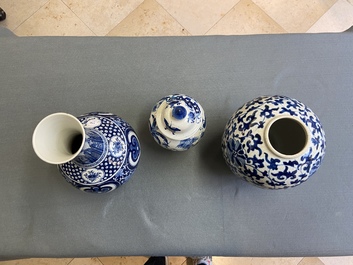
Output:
x,y
177,122
96,152
274,142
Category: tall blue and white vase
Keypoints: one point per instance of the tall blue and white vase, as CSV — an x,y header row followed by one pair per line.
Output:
x,y
96,152
274,142
177,122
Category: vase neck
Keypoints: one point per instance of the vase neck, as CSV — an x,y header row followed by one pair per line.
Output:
x,y
287,137
58,138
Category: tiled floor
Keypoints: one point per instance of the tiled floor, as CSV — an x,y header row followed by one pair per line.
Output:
x,y
174,17
181,18
185,261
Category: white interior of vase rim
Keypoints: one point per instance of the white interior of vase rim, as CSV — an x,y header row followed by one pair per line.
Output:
x,y
287,136
58,138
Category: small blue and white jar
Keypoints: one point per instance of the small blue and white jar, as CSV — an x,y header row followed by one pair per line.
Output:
x,y
177,122
96,152
274,142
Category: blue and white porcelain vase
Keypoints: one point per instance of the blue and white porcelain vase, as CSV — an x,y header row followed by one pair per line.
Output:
x,y
274,142
177,122
96,152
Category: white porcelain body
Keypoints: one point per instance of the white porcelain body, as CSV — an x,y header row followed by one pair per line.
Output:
x,y
96,152
177,122
274,142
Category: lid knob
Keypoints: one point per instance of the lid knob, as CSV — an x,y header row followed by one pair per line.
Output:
x,y
179,112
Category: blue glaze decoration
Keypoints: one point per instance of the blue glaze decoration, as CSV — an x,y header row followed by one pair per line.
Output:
x,y
179,112
177,122
249,153
170,127
109,157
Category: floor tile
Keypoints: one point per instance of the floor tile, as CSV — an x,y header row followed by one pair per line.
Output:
x,y
311,261
18,11
137,260
177,260
123,260
231,261
197,16
53,19
255,261
37,262
149,19
295,16
337,19
246,18
85,261
276,261
102,16
337,260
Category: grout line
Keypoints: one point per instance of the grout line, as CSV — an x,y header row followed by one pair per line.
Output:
x,y
174,18
257,7
87,258
295,32
301,260
270,17
70,261
78,17
124,18
100,260
321,16
183,261
231,9
13,30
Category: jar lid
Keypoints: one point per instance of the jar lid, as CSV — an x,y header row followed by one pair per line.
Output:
x,y
179,116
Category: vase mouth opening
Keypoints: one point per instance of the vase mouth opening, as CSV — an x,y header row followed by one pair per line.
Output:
x,y
287,137
58,138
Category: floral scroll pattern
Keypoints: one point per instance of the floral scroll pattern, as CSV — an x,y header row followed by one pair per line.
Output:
x,y
245,151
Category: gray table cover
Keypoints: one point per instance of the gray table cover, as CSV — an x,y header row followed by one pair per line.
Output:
x,y
176,203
